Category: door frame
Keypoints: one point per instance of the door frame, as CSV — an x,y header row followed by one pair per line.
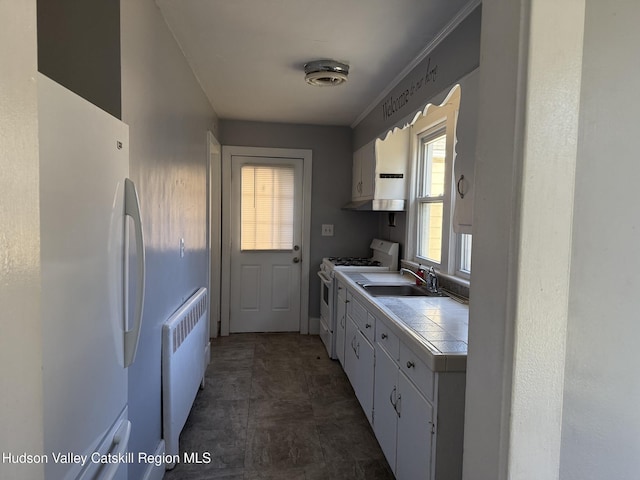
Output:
x,y
228,152
214,229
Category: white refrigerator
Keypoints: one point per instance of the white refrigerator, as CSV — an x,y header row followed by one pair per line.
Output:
x,y
87,208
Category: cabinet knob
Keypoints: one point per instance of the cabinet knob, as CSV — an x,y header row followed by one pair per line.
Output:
x,y
367,325
410,364
383,336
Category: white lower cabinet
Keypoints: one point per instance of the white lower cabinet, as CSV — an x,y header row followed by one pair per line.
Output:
x,y
416,414
403,421
359,365
415,432
385,422
350,359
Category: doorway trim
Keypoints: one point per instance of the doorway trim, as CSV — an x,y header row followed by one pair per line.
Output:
x,y
214,247
228,152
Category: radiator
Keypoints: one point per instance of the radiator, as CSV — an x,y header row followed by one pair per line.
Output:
x,y
185,355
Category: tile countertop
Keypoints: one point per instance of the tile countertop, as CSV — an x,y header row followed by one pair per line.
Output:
x,y
435,328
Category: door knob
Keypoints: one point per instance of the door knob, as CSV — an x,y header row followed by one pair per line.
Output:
x,y
296,260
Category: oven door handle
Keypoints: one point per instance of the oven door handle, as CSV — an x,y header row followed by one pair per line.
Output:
x,y
325,279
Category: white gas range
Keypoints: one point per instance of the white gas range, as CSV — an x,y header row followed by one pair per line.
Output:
x,y
385,258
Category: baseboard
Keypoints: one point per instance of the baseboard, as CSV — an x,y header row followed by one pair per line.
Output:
x,y
153,471
314,326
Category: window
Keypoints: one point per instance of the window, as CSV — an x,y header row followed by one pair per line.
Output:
x,y
464,260
430,199
432,241
266,207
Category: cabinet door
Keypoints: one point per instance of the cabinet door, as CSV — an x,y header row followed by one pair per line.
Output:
x,y
392,156
464,165
415,424
367,170
356,175
350,358
365,355
341,325
362,179
385,395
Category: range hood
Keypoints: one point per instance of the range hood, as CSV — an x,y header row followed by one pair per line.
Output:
x,y
381,174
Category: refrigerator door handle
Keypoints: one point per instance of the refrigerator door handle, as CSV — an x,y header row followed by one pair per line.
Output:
x,y
132,209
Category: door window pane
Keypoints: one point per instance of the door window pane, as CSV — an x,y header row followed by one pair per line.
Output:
x,y
267,207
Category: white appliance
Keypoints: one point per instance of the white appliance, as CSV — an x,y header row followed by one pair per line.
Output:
x,y
385,258
88,342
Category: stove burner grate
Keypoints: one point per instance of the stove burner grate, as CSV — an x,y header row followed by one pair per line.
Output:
x,y
354,262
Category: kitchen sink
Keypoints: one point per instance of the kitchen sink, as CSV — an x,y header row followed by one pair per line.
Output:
x,y
402,290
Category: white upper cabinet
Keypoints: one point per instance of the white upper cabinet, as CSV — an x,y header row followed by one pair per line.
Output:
x,y
392,165
464,164
364,160
381,171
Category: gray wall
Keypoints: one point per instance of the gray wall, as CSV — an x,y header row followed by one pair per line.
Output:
x,y
79,47
465,150
331,188
396,231
454,57
168,116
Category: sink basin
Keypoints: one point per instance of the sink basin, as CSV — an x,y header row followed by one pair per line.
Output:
x,y
403,290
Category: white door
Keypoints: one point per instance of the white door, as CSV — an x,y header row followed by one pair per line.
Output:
x,y
266,235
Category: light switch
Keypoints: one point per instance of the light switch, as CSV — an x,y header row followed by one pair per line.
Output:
x,y
182,248
327,230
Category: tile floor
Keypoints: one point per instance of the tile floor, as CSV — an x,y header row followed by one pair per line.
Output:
x,y
276,407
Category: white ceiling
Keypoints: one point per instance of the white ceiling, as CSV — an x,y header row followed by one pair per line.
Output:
x,y
249,54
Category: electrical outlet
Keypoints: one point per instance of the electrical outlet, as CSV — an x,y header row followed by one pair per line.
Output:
x,y
327,230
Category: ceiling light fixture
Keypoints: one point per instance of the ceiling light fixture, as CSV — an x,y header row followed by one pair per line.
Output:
x,y
326,73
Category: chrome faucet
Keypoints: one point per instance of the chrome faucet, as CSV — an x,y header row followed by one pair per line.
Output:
x,y
432,280
406,270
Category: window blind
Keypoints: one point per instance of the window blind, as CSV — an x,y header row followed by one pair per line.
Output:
x,y
267,207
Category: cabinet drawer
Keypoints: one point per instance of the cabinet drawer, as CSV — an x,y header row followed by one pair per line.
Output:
x,y
369,327
342,291
388,340
357,312
417,371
